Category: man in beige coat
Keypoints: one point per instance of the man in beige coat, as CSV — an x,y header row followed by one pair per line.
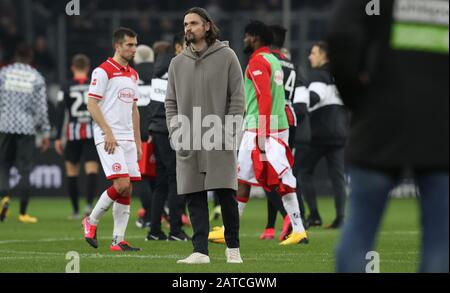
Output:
x,y
205,92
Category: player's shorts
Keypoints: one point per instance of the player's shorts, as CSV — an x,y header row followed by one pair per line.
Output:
x,y
76,150
122,163
246,173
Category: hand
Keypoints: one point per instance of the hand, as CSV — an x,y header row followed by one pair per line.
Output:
x,y
139,151
110,142
150,138
261,143
45,144
59,147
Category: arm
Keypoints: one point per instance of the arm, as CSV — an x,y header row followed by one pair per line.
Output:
x,y
259,73
60,111
137,130
317,88
97,116
236,108
41,114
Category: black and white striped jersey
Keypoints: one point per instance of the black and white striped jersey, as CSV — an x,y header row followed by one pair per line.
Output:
x,y
72,99
23,101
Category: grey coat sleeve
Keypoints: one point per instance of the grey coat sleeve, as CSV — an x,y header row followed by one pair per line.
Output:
x,y
171,100
235,88
236,108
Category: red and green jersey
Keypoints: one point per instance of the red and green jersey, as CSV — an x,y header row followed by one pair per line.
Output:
x,y
264,93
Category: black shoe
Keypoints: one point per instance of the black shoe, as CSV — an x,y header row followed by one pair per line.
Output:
x,y
313,221
182,236
337,223
142,224
156,236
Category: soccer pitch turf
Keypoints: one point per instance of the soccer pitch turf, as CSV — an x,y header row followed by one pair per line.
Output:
x,y
42,247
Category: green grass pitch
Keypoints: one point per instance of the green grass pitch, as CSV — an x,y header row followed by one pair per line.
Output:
x,y
42,247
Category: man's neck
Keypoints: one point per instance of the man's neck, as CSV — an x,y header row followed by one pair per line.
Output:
x,y
80,75
120,60
199,46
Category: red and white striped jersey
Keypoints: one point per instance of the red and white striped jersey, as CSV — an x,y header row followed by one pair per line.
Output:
x,y
72,99
116,87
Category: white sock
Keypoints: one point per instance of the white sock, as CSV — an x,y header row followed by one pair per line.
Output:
x,y
102,205
241,207
121,214
291,206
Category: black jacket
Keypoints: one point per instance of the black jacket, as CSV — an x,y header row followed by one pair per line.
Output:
x,y
156,108
300,103
395,82
328,117
145,71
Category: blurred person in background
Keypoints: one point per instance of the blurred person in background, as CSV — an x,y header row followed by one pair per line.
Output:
x,y
79,137
43,59
166,181
329,127
144,65
23,114
393,72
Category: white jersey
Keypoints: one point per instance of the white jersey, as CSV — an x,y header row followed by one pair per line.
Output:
x,y
116,87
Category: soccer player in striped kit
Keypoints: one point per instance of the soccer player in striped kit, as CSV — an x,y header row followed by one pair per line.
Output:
x,y
78,135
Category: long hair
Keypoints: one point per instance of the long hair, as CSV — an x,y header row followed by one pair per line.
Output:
x,y
214,32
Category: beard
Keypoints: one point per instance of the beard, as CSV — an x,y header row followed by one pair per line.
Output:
x,y
190,38
248,49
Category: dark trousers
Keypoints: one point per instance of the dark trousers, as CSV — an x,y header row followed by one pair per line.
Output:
x,y
144,189
367,202
307,158
199,214
17,150
166,186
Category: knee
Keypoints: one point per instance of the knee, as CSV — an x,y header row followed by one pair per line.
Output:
x,y
123,188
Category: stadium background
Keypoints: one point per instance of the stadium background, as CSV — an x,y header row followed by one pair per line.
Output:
x,y
56,37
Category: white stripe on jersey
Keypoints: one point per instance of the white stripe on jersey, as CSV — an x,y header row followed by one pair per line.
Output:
x,y
77,131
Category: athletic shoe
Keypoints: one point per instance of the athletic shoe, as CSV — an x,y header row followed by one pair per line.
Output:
x,y
142,224
157,236
313,221
123,246
27,219
74,217
233,255
287,228
195,258
90,232
296,238
182,236
268,234
217,235
4,205
337,223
